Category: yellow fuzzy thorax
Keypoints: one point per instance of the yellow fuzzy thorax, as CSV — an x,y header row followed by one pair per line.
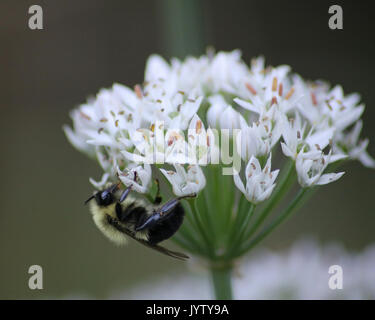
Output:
x,y
99,216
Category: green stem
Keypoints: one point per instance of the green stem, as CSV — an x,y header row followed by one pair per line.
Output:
x,y
202,231
240,231
222,282
301,195
282,188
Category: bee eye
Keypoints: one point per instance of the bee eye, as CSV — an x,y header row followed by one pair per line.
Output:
x,y
104,198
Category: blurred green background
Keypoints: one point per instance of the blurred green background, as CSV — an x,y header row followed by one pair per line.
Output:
x,y
89,44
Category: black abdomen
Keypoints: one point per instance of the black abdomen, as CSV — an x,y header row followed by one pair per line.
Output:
x,y
166,228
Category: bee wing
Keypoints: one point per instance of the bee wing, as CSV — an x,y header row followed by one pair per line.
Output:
x,y
170,253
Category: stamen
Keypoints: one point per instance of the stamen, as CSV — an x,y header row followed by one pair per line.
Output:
x,y
84,115
250,88
198,127
121,112
103,120
298,134
100,130
329,105
116,123
274,84
318,147
289,94
280,89
273,101
138,91
313,98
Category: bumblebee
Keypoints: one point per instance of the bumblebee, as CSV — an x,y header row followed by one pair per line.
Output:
x,y
119,215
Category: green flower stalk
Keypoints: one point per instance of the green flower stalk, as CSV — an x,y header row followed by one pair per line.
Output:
x,y
213,128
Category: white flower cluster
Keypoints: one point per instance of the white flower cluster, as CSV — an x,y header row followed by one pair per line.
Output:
x,y
316,125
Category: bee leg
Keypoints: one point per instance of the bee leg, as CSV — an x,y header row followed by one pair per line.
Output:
x,y
171,204
161,212
125,193
158,198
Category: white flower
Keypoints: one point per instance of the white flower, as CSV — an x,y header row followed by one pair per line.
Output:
x,y
143,177
225,72
259,138
231,119
120,126
296,139
349,143
215,111
259,182
185,183
311,165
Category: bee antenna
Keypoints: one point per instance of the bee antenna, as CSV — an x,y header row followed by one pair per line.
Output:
x,y
92,197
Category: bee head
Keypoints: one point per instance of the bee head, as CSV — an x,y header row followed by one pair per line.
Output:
x,y
105,197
